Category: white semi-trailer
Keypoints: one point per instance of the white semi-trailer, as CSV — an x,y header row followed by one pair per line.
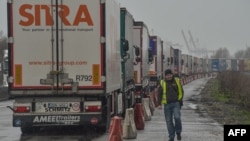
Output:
x,y
143,59
65,67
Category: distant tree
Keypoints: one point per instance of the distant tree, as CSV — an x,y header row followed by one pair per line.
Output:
x,y
239,54
221,53
243,54
3,43
247,53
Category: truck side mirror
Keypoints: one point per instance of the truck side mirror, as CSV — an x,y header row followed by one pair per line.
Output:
x,y
137,54
137,51
162,56
125,44
125,48
150,56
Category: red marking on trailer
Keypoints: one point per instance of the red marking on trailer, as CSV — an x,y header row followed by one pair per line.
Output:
x,y
94,121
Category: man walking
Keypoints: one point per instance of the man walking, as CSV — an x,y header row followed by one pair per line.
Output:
x,y
170,95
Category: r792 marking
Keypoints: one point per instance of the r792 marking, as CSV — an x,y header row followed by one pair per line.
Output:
x,y
83,77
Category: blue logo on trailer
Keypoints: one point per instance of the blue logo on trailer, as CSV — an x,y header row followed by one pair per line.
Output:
x,y
152,45
215,64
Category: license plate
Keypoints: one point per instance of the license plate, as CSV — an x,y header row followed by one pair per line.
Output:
x,y
49,107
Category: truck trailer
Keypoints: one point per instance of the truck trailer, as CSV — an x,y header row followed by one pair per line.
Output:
x,y
164,56
170,57
5,68
142,61
155,69
127,55
65,63
177,62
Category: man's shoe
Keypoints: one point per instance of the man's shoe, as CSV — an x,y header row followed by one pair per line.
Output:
x,y
171,140
179,137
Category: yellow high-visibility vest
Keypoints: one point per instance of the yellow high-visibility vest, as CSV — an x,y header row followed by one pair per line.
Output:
x,y
164,90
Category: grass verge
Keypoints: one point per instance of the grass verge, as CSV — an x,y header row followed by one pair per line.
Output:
x,y
232,106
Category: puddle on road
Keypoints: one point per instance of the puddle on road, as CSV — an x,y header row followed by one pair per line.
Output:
x,y
192,106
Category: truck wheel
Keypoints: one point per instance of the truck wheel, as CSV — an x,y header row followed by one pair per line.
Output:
x,y
27,129
102,129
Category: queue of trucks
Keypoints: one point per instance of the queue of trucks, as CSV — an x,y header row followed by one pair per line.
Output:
x,y
75,64
4,68
81,63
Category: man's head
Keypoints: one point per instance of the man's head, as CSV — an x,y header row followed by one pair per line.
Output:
x,y
168,74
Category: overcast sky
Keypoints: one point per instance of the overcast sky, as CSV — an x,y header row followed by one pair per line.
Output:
x,y
213,23
3,16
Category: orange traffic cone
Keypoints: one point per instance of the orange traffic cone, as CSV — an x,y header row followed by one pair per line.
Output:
x,y
115,129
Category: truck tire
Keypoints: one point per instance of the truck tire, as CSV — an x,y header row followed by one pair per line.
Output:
x,y
27,129
102,129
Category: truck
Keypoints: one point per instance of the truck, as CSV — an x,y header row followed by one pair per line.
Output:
x,y
170,57
155,68
127,56
246,65
222,64
194,65
177,62
205,65
235,64
143,58
228,64
184,66
4,68
65,67
164,56
215,64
